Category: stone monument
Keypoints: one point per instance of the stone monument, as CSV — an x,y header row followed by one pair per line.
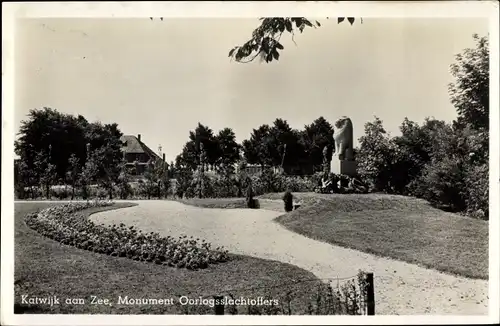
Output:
x,y
343,159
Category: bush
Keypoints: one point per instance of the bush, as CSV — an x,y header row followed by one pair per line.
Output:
x,y
251,202
63,224
442,184
477,191
224,186
298,184
288,201
60,191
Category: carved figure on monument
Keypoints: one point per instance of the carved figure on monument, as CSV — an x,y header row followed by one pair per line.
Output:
x,y
343,158
343,137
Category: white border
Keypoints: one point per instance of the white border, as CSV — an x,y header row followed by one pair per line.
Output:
x,y
11,11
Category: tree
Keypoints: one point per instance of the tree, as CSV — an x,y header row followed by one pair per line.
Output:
x,y
47,127
108,154
265,40
469,92
73,173
25,178
258,149
414,150
45,170
228,150
123,182
286,150
191,152
375,156
314,138
89,174
150,183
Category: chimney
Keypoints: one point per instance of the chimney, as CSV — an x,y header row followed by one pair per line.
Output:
x,y
139,137
163,157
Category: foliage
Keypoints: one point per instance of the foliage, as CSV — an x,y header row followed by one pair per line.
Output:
x,y
222,150
251,202
288,201
89,174
53,146
470,91
45,170
123,183
375,156
108,156
477,191
63,224
314,138
73,174
442,183
265,40
201,185
25,180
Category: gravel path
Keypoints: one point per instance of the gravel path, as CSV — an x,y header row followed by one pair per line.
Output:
x,y
400,288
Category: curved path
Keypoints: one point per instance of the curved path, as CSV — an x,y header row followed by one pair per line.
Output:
x,y
400,288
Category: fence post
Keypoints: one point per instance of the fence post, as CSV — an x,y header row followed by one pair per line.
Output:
x,y
218,307
370,294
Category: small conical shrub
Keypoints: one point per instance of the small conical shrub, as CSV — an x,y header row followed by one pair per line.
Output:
x,y
288,201
249,197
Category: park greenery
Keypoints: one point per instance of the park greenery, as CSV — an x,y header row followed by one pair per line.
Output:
x,y
64,224
443,162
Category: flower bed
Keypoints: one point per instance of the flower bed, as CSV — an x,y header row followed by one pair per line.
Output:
x,y
64,223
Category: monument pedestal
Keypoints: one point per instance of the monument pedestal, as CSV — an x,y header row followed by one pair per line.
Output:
x,y
343,167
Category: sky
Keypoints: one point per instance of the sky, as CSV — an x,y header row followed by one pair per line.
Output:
x,y
160,78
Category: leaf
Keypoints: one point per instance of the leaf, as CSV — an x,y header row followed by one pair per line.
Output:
x,y
317,23
231,52
276,55
288,26
279,46
340,19
298,22
308,23
351,20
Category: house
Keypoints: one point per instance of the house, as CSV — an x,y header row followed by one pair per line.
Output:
x,y
138,155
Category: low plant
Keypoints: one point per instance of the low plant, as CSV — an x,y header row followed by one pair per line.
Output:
x,y
288,201
251,202
64,224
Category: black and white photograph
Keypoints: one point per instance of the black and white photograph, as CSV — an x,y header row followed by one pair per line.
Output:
x,y
257,166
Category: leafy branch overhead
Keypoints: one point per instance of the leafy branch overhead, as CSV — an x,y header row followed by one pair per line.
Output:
x,y
265,41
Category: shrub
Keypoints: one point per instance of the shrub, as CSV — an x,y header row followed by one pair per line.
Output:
x,y
249,197
125,190
201,186
442,184
224,186
477,191
288,201
63,224
60,191
298,184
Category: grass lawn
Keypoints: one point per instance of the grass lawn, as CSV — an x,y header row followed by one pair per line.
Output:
x,y
398,227
44,267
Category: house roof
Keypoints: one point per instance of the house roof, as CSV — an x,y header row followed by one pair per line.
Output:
x,y
133,145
